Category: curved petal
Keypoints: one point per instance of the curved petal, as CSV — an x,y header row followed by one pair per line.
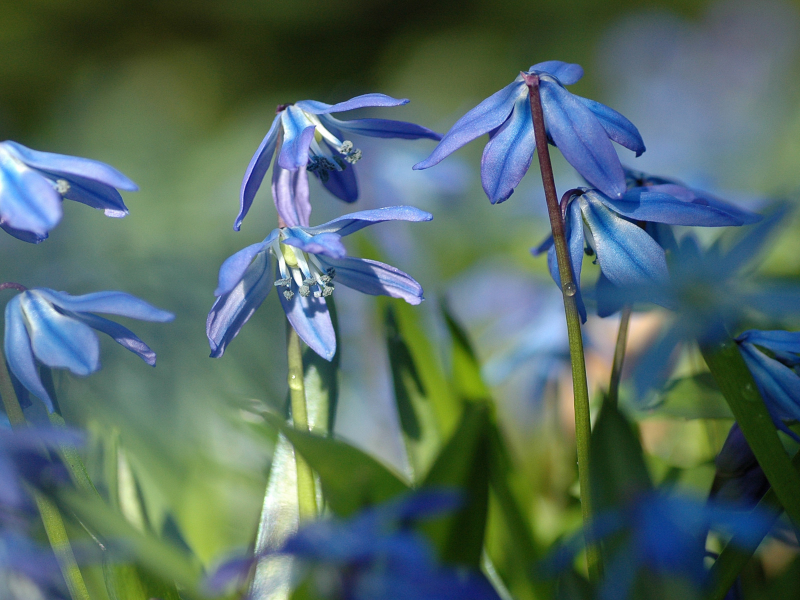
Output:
x,y
311,320
298,131
25,236
776,341
324,244
641,205
508,154
28,201
62,164
347,224
122,335
617,127
232,310
581,138
19,354
779,385
374,278
58,340
383,128
95,194
343,184
609,298
235,266
256,170
546,244
654,366
750,245
115,303
627,255
290,194
575,240
320,108
741,215
566,73
487,116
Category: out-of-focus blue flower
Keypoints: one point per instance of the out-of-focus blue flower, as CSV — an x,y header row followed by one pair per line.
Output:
x,y
610,228
739,478
33,185
28,571
581,128
55,328
375,555
308,259
773,358
306,138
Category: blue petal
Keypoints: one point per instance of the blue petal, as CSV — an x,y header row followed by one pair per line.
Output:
x,y
627,255
575,241
298,132
290,194
311,320
654,366
25,236
233,269
374,278
566,73
779,384
28,201
751,244
776,341
62,164
581,138
487,116
19,354
320,108
382,128
508,154
617,127
95,194
742,216
115,303
347,224
122,335
544,246
256,171
343,184
324,244
609,298
641,205
232,310
58,340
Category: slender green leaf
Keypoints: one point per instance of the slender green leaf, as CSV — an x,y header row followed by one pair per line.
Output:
x,y
467,381
321,378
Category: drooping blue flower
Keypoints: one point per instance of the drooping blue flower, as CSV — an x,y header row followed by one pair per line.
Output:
x,y
611,229
581,128
33,185
739,478
55,328
307,261
306,138
376,555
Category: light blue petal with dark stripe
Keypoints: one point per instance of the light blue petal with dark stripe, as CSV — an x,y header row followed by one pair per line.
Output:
x,y
350,223
311,320
374,278
256,171
19,354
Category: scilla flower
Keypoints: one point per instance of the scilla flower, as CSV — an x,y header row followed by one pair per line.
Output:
x,y
306,138
308,262
581,128
56,329
33,185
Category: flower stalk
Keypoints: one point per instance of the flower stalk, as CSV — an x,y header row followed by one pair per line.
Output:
x,y
619,356
569,288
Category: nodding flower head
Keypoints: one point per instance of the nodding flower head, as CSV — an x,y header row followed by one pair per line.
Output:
x,y
308,260
307,139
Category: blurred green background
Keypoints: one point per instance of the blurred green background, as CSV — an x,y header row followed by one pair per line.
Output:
x,y
179,94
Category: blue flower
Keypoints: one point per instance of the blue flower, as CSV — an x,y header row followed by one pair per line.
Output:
x,y
773,358
581,128
306,137
308,260
376,555
56,329
33,185
626,252
738,478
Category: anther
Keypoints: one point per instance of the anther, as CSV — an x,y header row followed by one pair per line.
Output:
x,y
61,186
288,294
304,291
283,282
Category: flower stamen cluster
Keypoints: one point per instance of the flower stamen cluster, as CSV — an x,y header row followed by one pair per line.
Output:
x,y
302,268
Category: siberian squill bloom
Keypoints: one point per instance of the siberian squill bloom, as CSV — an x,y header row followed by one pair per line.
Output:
x,y
55,329
33,184
375,555
307,138
610,229
581,128
308,261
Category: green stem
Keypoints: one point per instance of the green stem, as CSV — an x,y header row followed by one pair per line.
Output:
x,y
736,554
740,390
306,487
583,428
619,357
51,517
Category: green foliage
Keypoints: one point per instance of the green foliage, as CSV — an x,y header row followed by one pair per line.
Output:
x,y
693,397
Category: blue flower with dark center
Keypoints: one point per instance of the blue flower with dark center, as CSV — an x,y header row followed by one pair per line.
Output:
x,y
33,185
614,230
306,138
307,262
56,329
581,128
